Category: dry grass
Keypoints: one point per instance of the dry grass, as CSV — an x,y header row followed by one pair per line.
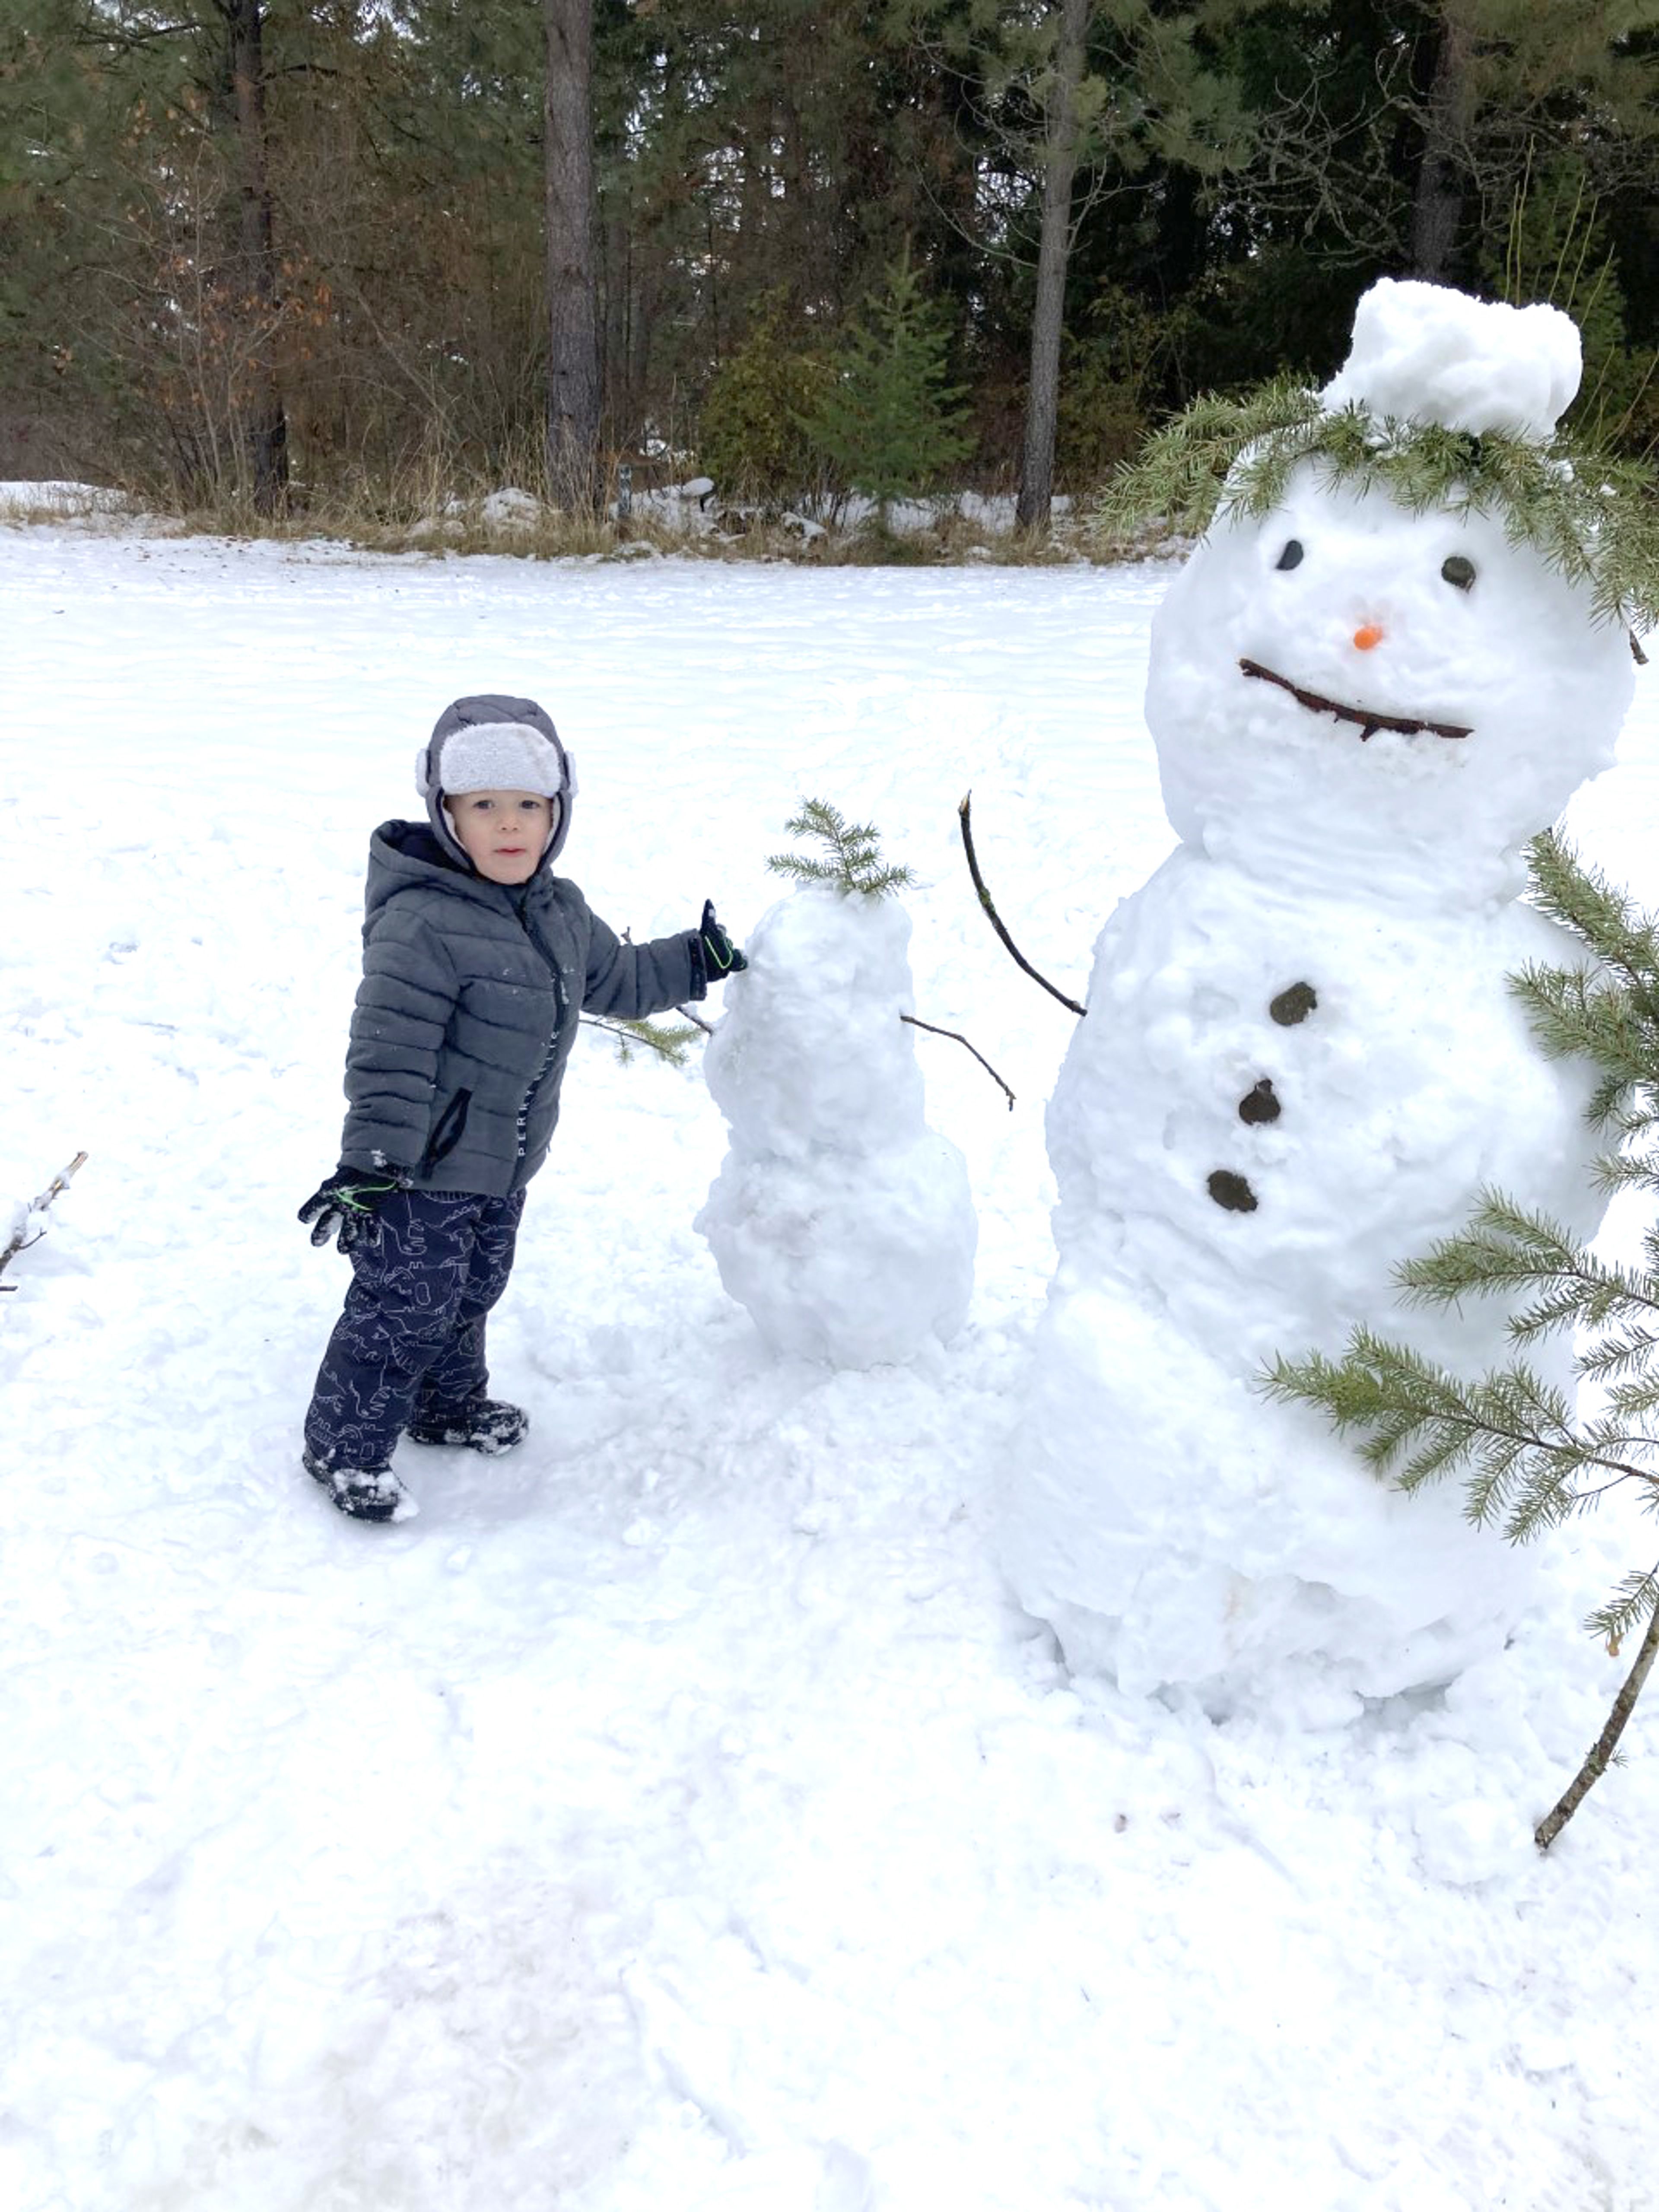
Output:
x,y
64,502
431,510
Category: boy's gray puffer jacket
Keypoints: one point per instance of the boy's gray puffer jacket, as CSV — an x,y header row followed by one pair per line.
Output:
x,y
468,1008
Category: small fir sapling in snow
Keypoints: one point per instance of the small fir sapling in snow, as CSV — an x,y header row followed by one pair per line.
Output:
x,y
1530,1461
839,1219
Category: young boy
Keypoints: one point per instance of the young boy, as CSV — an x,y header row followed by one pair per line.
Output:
x,y
478,964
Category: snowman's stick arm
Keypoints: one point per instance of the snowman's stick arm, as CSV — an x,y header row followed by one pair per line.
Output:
x,y
962,1040
1019,959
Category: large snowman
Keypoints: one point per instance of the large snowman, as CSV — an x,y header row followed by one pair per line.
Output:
x,y
1301,1061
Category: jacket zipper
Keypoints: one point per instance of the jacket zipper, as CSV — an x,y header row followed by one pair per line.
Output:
x,y
521,1122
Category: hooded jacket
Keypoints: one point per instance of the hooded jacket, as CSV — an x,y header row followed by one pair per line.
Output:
x,y
468,1009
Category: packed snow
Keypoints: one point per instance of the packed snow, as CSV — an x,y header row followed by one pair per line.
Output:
x,y
677,1816
1425,353
839,1219
1302,1065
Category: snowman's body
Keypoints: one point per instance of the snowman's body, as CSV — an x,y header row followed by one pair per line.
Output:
x,y
1273,1095
1301,1064
839,1218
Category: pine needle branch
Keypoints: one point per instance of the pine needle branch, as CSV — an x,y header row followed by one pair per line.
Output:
x,y
668,1041
1513,1434
852,860
1506,1249
1585,514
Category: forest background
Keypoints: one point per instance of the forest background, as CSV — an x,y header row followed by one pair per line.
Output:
x,y
263,258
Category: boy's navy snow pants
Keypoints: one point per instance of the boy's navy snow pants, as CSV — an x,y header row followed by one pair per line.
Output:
x,y
410,1343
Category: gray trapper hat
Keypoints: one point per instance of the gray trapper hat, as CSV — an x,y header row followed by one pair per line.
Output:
x,y
492,742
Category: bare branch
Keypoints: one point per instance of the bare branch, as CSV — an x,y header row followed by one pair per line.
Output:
x,y
22,1240
1019,959
962,1040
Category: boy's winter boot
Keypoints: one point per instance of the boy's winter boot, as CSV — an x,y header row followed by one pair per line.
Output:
x,y
487,1426
367,1494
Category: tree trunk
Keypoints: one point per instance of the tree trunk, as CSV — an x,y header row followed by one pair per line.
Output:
x,y
573,356
257,252
616,382
1037,471
1437,202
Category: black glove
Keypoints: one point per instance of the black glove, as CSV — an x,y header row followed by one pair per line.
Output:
x,y
721,957
348,1202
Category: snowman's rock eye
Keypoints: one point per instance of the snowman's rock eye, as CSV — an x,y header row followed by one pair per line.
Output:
x,y
1292,556
1458,571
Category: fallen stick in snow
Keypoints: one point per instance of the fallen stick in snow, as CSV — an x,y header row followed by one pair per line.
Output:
x,y
21,1241
1020,960
962,1041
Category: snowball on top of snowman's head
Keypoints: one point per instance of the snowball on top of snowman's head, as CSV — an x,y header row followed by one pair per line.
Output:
x,y
1426,353
1379,704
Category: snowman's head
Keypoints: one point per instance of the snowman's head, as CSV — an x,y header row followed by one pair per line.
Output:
x,y
1344,693
1350,695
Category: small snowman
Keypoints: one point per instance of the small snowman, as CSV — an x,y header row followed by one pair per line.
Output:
x,y
1390,662
839,1219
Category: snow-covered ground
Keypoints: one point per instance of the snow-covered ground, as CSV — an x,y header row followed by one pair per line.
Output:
x,y
676,1816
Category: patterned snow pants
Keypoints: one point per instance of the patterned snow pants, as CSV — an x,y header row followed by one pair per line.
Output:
x,y
410,1343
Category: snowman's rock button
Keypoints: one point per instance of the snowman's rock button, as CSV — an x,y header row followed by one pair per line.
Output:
x,y
1259,1103
1293,1006
1232,1191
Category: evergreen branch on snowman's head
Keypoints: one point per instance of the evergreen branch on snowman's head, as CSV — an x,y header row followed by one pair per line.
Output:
x,y
851,861
1178,478
1593,518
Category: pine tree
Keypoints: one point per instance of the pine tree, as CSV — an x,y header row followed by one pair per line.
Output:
x,y
752,434
889,420
1529,1459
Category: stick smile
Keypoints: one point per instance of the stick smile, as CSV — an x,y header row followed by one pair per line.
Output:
x,y
1365,718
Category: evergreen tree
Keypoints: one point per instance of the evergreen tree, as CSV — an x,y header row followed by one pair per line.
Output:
x,y
889,420
751,433
1531,1459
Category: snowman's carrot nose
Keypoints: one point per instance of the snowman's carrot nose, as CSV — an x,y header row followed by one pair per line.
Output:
x,y
1369,636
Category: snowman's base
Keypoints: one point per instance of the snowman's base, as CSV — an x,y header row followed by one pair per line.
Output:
x,y
1179,1532
854,1260
1313,1689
